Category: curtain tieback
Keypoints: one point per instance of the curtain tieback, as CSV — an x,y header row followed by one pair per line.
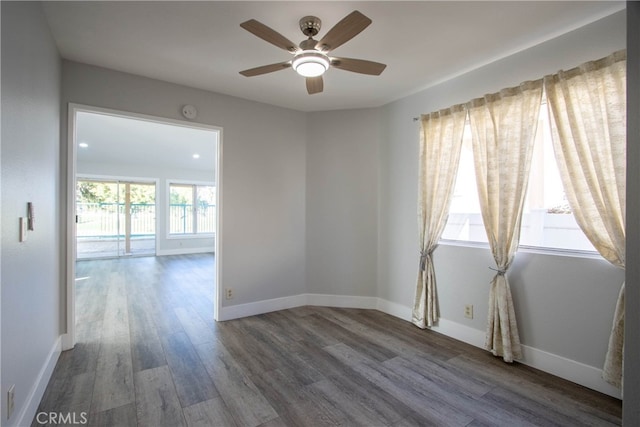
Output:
x,y
423,259
500,272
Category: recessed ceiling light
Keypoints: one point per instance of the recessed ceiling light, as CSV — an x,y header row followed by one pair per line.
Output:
x,y
83,145
196,156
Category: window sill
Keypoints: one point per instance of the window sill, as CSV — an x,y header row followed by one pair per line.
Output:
x,y
191,236
572,253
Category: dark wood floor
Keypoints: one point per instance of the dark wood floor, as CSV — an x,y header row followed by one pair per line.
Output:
x,y
150,354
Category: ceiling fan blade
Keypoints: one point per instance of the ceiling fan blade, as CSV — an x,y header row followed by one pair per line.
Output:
x,y
266,69
267,34
358,66
314,85
350,26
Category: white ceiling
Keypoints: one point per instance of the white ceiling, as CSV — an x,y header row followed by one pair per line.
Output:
x,y
121,140
200,44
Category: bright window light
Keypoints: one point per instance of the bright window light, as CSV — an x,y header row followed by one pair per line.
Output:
x,y
192,209
547,220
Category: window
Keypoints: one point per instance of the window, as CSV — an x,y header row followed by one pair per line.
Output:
x,y
547,220
192,209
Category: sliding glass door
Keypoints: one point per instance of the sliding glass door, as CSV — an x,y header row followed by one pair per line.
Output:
x,y
115,218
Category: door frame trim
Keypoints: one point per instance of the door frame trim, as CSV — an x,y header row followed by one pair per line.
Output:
x,y
69,338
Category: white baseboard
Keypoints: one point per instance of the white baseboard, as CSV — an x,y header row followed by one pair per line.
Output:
x,y
267,306
472,336
568,369
341,301
394,309
579,373
29,409
260,307
571,370
67,342
185,251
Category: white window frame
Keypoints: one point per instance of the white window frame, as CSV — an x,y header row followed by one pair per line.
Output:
x,y
574,253
195,234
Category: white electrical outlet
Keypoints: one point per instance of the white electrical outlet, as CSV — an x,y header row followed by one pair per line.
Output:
x,y
229,293
468,311
11,400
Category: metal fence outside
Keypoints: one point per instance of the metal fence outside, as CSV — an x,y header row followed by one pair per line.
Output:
x,y
106,220
181,220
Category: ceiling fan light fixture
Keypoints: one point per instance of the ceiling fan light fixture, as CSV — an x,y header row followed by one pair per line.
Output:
x,y
310,63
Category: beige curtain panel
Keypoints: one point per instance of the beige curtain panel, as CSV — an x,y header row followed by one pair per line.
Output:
x,y
503,130
440,144
588,122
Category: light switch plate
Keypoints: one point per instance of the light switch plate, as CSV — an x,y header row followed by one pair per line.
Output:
x,y
23,229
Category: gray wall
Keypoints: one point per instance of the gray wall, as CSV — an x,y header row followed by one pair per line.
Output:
x,y
163,175
342,202
263,173
564,305
631,409
31,314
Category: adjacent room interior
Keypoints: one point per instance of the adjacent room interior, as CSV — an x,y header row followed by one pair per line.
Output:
x,y
143,187
191,237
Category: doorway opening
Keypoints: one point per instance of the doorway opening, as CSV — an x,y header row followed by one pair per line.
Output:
x,y
115,218
122,170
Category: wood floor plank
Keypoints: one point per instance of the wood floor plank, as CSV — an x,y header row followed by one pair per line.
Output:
x,y
265,331
122,416
277,347
312,413
245,349
284,320
160,297
209,413
434,409
91,290
146,347
359,343
68,395
192,382
386,407
245,402
135,363
195,328
278,422
455,395
357,413
446,373
116,316
426,340
203,306
503,374
84,357
280,389
347,355
301,311
525,408
157,403
113,386
411,342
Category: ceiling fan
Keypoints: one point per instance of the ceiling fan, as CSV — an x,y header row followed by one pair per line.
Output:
x,y
311,57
